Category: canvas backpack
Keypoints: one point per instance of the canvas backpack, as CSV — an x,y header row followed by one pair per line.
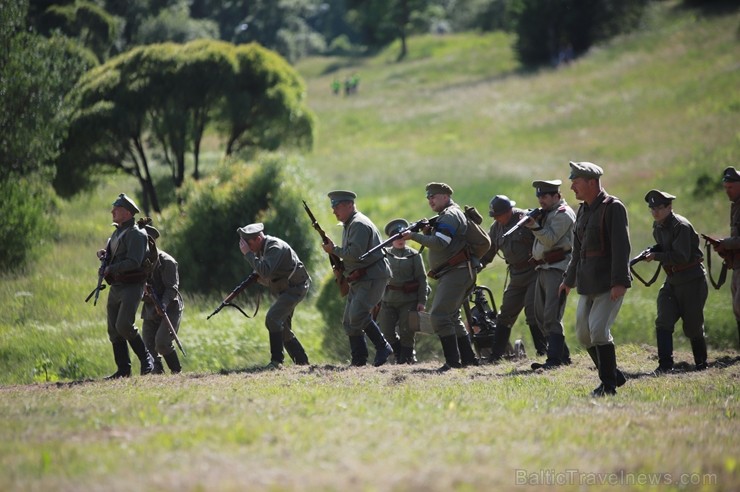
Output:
x,y
478,240
151,258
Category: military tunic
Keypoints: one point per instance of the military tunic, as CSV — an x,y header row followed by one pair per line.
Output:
x,y
454,282
600,261
685,289
165,282
732,244
405,291
283,273
553,232
126,249
367,278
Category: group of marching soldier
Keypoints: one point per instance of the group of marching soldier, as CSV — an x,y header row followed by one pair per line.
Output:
x,y
548,251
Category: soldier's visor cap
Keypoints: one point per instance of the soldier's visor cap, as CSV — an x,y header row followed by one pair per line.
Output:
x,y
251,231
730,175
127,203
395,226
500,204
656,198
542,187
438,189
587,170
339,196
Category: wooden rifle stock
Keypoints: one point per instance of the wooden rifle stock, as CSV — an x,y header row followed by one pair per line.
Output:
x,y
252,278
337,265
413,227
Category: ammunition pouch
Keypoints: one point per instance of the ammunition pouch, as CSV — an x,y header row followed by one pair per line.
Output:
x,y
460,257
357,274
552,256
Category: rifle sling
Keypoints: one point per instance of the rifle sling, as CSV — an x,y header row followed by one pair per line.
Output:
x,y
722,274
649,282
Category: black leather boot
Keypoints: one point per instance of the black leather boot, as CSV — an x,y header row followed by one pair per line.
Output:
x,y
538,339
607,357
699,348
621,378
276,350
467,355
500,343
665,351
358,350
383,349
123,360
145,358
555,344
173,362
396,346
158,368
451,353
408,355
296,352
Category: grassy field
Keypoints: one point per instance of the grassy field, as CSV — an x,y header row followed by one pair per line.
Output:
x,y
659,108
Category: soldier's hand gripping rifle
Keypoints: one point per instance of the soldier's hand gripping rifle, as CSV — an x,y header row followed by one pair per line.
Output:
x,y
413,227
337,265
252,278
162,312
642,257
101,277
532,214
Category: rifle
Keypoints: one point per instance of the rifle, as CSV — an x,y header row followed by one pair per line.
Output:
x,y
642,257
101,277
532,214
337,265
727,260
162,311
252,278
413,227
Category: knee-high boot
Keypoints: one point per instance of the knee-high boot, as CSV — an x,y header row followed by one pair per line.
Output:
x,y
276,349
296,352
467,355
664,340
173,362
358,350
607,357
500,342
451,353
538,339
383,349
145,358
699,348
621,378
123,360
555,344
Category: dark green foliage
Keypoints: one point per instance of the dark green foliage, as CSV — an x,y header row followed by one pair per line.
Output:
x,y
91,25
547,29
330,304
205,241
25,223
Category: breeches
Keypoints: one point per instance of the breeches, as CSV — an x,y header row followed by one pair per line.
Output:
x,y
394,315
519,294
122,307
686,302
280,314
595,316
547,308
363,296
452,289
156,333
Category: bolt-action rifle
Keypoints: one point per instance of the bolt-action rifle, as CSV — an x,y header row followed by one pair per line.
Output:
x,y
337,265
642,257
532,214
413,227
101,276
252,278
162,311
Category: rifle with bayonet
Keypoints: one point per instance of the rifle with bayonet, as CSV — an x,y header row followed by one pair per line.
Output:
x,y
101,276
162,312
252,278
337,265
413,227
532,214
642,257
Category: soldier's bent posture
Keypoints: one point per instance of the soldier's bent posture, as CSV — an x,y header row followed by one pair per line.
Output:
x,y
452,266
599,268
125,251
283,273
367,278
685,289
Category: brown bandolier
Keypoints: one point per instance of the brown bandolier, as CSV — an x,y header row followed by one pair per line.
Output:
x,y
459,257
549,257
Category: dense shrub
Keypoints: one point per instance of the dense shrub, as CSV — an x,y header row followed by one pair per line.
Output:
x,y
204,239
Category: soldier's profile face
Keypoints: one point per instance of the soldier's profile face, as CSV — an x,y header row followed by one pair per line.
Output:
x,y
732,188
120,215
660,212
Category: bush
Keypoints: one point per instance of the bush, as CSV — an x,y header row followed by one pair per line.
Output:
x,y
205,238
25,221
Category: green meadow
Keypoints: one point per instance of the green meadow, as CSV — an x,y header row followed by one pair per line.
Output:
x,y
658,108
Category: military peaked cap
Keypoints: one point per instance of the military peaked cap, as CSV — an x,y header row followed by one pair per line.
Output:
x,y
395,226
251,231
586,170
655,198
730,175
500,204
438,189
127,203
339,196
552,186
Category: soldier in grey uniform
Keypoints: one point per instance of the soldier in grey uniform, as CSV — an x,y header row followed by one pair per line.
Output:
x,y
553,237
367,278
729,247
125,254
406,291
519,293
165,282
455,271
283,273
685,289
599,268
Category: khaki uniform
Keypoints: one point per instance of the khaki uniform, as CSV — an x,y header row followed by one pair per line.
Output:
x,y
732,243
165,282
